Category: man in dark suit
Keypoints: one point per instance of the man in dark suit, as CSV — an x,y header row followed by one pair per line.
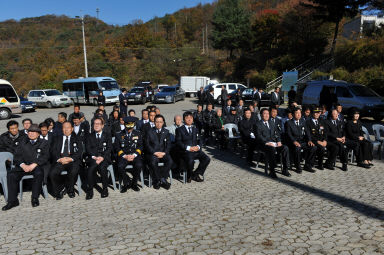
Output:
x,y
298,137
224,95
210,99
10,140
26,124
123,101
198,118
209,116
247,128
240,108
80,129
58,127
291,95
258,95
201,96
275,98
270,142
276,120
129,148
339,109
144,119
336,136
318,135
158,145
29,159
227,108
66,155
98,147
188,140
149,125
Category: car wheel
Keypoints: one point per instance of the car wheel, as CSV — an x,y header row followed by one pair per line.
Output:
x,y
49,105
4,114
192,95
174,100
183,98
144,100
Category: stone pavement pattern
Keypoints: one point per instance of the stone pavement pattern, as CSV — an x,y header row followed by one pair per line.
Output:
x,y
237,210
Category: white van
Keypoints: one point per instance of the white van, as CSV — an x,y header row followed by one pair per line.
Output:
x,y
9,100
230,87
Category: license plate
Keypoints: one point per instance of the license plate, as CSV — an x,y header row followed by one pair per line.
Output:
x,y
131,100
28,107
160,99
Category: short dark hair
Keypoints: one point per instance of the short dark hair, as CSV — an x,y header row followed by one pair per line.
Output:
x,y
27,119
199,105
263,110
49,121
186,114
272,108
247,109
98,118
63,114
76,116
76,105
43,124
123,90
296,109
160,116
68,122
144,110
151,112
12,123
131,111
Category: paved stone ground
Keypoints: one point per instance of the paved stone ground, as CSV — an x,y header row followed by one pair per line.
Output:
x,y
237,210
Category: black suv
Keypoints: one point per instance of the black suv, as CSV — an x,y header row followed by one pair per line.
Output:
x,y
147,85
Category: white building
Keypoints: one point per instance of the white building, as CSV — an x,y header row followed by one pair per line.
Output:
x,y
357,26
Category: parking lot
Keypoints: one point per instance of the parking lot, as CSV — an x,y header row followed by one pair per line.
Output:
x,y
236,210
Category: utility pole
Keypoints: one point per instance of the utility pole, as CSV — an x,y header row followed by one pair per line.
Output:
x,y
203,41
175,32
84,46
206,37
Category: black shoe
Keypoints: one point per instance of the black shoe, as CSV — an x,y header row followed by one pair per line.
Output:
x,y
286,173
124,188
134,187
35,202
60,195
344,167
165,185
156,185
197,178
273,175
329,166
89,195
10,205
71,194
361,164
309,169
189,179
299,170
104,193
320,167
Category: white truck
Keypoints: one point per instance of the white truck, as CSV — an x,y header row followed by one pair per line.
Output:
x,y
192,84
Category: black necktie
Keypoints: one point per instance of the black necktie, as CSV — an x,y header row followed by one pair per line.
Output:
x,y
315,122
158,134
66,151
334,122
190,130
266,124
297,123
33,142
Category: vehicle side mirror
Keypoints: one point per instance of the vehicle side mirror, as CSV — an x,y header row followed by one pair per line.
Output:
x,y
42,96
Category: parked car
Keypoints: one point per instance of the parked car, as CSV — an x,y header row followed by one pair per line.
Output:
x,y
159,87
230,87
349,95
170,94
27,106
147,85
49,98
138,95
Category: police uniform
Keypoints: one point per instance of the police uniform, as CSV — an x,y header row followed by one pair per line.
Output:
x,y
28,152
98,145
129,142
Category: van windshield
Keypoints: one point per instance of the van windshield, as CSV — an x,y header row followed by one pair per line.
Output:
x,y
362,91
109,85
52,93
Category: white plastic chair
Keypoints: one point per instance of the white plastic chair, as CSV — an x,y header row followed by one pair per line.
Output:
x,y
4,156
112,174
26,177
376,144
229,128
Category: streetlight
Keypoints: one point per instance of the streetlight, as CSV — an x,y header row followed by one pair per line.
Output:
x,y
84,46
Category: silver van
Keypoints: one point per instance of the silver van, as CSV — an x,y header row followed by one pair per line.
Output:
x,y
49,98
349,95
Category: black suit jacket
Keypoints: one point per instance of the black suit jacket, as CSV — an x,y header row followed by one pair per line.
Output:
x,y
258,97
265,134
76,148
294,133
83,131
103,148
354,130
334,131
125,145
185,139
153,144
27,153
9,145
275,100
210,99
226,111
316,133
246,127
224,95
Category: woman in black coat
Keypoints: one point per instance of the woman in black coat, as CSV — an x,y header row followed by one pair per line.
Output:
x,y
101,98
354,133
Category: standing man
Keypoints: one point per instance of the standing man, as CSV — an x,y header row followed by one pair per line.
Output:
x,y
201,96
224,95
188,140
123,101
129,147
275,98
291,95
270,143
58,127
258,95
30,158
210,98
227,108
98,147
299,141
158,145
76,110
66,155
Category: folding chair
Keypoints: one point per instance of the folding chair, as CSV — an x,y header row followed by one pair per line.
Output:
x,y
4,156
